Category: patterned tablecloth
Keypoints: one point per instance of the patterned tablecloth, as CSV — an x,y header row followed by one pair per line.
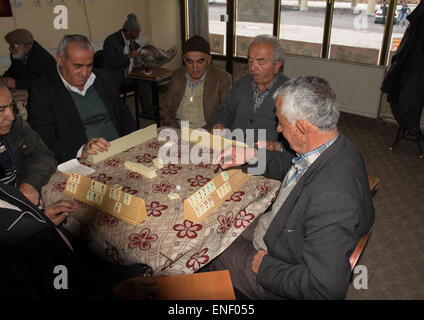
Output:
x,y
21,97
165,240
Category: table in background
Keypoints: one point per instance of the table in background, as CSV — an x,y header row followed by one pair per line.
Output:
x,y
165,240
157,75
20,97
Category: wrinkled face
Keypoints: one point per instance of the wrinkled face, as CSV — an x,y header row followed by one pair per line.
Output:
x,y
18,50
289,130
261,64
132,34
6,111
77,66
196,64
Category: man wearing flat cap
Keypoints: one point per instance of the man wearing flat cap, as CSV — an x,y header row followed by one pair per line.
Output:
x,y
119,51
196,89
30,61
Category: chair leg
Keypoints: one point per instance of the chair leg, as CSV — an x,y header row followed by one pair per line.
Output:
x,y
137,111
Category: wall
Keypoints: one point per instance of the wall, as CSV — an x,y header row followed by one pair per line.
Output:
x,y
159,20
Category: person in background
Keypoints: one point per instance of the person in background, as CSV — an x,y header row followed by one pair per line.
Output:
x,y
404,10
77,110
196,89
30,61
25,161
249,104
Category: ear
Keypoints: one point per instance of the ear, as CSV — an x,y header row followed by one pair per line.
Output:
x,y
277,66
303,126
59,59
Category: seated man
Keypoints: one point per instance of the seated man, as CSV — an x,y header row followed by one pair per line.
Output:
x,y
119,51
40,261
196,89
75,104
30,61
25,161
300,249
249,104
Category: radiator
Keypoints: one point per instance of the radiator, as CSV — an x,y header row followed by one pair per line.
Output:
x,y
357,86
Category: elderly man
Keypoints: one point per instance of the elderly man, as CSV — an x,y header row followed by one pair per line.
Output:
x,y
30,61
196,89
25,161
119,51
76,104
300,249
249,104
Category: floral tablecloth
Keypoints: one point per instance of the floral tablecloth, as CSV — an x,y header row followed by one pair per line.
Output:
x,y
165,240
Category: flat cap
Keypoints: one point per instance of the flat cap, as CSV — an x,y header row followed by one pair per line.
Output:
x,y
19,36
196,43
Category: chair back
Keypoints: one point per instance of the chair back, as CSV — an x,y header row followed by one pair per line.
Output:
x,y
354,257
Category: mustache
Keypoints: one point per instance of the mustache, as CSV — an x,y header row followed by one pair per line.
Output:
x,y
254,73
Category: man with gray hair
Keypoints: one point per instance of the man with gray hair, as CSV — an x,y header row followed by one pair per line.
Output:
x,y
300,248
250,103
29,60
77,110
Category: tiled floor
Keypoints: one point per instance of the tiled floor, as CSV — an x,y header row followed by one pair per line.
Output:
x,y
394,254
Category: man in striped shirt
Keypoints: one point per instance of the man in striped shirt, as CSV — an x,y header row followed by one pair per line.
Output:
x,y
25,161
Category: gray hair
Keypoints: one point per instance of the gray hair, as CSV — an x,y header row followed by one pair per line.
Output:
x,y
309,98
276,44
81,40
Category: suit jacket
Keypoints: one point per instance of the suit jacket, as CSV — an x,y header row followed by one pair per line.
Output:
x,y
217,85
53,114
38,63
236,111
113,52
317,228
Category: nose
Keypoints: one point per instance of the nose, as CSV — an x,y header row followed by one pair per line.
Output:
x,y
9,114
85,72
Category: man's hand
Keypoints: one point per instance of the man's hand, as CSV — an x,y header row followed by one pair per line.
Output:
x,y
257,260
30,193
219,130
139,288
9,82
269,145
59,211
133,54
233,156
94,146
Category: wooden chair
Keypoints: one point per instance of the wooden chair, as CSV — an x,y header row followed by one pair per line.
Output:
x,y
213,285
354,257
374,184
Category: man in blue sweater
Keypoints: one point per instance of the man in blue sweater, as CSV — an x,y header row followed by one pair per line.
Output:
x,y
249,104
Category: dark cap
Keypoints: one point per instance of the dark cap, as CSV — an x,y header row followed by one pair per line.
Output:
x,y
196,43
19,36
131,23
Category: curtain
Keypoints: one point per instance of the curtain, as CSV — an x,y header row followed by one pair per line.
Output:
x,y
198,18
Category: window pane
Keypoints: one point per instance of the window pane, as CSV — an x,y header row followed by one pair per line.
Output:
x,y
404,8
217,25
302,27
253,17
357,31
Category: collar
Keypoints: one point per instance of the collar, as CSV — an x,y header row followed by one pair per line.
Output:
x,y
127,42
304,161
87,85
255,86
190,82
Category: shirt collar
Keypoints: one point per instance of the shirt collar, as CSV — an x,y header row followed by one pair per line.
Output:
x,y
255,86
87,85
127,42
190,82
304,161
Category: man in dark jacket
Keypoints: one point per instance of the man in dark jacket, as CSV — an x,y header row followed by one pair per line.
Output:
x,y
40,260
30,61
119,52
300,248
76,110
25,161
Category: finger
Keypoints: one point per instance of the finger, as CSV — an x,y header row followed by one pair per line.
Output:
x,y
58,219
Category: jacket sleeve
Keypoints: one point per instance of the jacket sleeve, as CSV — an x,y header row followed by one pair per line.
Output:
x,y
41,119
113,57
331,217
38,161
167,108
